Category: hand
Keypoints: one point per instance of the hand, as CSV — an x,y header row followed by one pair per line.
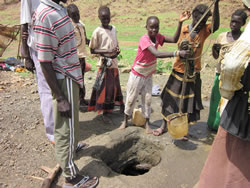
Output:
x,y
184,16
29,64
25,35
216,50
118,51
114,50
216,46
184,53
64,107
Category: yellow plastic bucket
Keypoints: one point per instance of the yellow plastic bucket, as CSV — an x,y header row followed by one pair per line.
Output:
x,y
177,125
137,118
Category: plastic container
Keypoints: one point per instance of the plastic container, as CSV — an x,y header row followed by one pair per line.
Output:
x,y
177,125
137,118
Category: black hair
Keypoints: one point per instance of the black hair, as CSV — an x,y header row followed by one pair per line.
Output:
x,y
152,18
242,14
201,8
103,8
72,8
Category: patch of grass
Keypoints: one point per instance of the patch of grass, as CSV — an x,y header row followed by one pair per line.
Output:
x,y
163,66
129,20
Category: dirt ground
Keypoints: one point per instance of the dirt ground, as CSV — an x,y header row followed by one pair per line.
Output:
x,y
24,147
23,144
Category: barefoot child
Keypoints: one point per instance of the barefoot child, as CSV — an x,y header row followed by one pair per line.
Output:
x,y
140,79
82,41
171,94
107,90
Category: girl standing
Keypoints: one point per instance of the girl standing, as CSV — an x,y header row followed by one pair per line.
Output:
x,y
171,95
107,90
140,79
222,46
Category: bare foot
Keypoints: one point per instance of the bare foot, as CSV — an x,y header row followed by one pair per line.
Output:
x,y
123,125
158,132
148,131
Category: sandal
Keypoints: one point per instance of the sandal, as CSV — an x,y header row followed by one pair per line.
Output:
x,y
86,182
81,146
185,138
158,132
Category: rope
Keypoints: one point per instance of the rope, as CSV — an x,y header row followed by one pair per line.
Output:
x,y
212,31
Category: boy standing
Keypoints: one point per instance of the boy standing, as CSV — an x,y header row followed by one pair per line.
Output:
x,y
81,42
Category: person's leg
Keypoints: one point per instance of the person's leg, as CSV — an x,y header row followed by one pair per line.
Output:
x,y
133,88
162,129
146,97
66,138
45,98
66,130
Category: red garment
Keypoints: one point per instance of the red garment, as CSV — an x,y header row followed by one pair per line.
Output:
x,y
145,62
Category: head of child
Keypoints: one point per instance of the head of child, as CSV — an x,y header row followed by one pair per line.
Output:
x,y
152,26
73,13
104,16
238,19
197,13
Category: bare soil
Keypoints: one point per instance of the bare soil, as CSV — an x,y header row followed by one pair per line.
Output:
x,y
23,144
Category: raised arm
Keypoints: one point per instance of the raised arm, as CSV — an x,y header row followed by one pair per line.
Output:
x,y
216,17
173,39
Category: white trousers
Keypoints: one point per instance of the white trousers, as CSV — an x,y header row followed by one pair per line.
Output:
x,y
139,85
45,98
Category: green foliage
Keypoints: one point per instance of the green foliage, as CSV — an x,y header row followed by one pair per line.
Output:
x,y
129,18
163,66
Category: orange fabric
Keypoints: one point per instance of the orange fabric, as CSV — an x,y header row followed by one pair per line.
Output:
x,y
197,44
98,101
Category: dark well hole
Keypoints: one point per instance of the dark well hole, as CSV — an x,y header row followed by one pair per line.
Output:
x,y
133,156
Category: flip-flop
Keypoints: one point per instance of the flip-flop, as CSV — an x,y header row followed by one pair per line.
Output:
x,y
81,146
86,182
158,132
91,183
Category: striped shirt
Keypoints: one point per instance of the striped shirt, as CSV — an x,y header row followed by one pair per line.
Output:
x,y
145,62
55,40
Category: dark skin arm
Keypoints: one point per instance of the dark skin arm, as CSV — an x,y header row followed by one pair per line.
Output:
x,y
50,76
216,17
29,64
173,39
86,39
102,52
159,54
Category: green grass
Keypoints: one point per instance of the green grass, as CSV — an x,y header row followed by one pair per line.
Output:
x,y
130,26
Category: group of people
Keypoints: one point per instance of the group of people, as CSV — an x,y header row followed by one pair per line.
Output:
x,y
54,42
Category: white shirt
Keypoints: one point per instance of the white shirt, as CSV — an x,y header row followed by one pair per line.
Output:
x,y
28,8
234,65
